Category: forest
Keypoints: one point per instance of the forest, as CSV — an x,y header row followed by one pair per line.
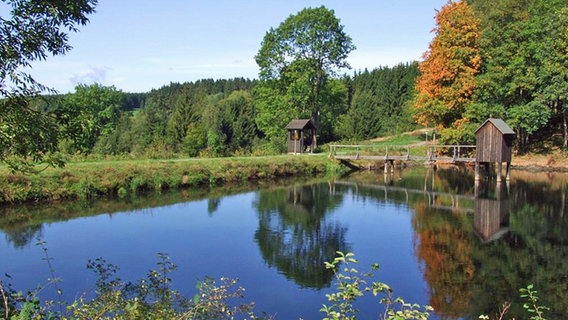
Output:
x,y
503,59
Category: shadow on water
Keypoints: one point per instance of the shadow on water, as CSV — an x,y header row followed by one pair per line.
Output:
x,y
477,245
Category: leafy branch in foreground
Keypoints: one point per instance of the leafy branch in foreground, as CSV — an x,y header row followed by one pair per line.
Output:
x,y
352,284
532,306
153,297
32,30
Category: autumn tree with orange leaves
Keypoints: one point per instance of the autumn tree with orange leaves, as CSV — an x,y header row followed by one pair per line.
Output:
x,y
447,83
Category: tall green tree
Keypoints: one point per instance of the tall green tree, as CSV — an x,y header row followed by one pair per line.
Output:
x,y
296,62
31,31
523,53
554,72
239,126
89,113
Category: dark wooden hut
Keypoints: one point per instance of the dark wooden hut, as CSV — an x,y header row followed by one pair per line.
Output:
x,y
494,145
301,136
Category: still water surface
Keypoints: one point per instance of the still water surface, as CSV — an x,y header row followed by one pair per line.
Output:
x,y
438,239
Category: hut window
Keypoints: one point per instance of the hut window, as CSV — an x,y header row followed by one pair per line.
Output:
x,y
296,135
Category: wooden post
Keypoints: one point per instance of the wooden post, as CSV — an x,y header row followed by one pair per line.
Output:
x,y
508,172
386,166
499,171
477,177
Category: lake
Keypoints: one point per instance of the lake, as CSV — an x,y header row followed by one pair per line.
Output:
x,y
438,238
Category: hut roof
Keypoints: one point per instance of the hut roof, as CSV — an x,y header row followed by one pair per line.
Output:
x,y
499,124
300,124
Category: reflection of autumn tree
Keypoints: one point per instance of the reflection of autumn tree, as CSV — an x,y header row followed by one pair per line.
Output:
x,y
445,247
293,235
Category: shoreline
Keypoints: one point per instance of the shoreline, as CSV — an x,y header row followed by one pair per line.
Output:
x,y
91,180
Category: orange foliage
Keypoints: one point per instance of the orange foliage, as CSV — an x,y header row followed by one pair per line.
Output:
x,y
450,65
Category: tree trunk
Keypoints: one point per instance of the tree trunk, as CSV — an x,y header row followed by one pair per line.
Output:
x,y
564,124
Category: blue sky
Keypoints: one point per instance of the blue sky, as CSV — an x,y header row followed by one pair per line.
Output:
x,y
138,45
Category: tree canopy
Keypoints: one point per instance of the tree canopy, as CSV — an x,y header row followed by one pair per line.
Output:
x,y
447,82
33,30
297,61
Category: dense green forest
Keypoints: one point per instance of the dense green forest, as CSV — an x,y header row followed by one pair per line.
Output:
x,y
504,58
217,117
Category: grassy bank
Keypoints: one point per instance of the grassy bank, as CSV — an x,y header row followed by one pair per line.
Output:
x,y
85,180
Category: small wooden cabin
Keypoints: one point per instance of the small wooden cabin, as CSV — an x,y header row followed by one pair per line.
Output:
x,y
301,136
494,144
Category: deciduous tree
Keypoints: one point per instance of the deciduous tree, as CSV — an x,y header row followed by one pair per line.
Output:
x,y
89,113
450,65
31,31
296,62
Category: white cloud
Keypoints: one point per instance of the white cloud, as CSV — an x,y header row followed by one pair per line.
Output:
x,y
89,76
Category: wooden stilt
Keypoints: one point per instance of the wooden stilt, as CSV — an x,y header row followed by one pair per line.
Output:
x,y
499,171
477,177
386,166
508,172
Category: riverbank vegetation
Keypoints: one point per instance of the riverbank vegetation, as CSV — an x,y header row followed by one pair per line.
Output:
x,y
85,180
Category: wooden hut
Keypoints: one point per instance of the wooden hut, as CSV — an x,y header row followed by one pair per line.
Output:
x,y
494,145
301,136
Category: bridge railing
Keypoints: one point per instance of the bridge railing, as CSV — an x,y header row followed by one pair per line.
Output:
x,y
453,152
403,152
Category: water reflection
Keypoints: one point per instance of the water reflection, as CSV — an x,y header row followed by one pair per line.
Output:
x,y
24,223
294,236
476,246
491,219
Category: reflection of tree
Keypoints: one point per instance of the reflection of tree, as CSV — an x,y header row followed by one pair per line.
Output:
x,y
472,272
445,246
21,235
534,251
293,235
21,223
213,204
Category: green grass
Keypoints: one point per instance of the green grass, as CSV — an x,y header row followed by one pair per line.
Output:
x,y
401,140
85,180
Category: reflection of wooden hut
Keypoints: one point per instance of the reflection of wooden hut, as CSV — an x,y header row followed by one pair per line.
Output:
x,y
491,218
494,144
301,136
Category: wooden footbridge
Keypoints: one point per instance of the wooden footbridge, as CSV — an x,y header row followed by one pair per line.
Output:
x,y
494,142
401,153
